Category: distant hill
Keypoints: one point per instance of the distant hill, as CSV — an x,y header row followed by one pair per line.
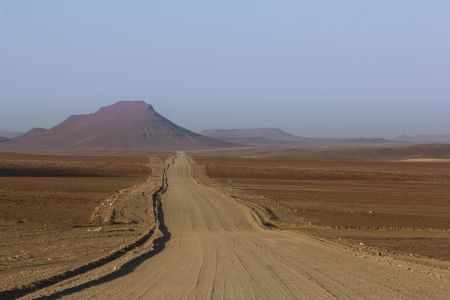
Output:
x,y
10,134
279,138
425,138
3,139
125,125
253,136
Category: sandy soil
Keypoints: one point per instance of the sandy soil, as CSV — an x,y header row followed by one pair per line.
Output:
x,y
394,207
215,248
215,241
52,216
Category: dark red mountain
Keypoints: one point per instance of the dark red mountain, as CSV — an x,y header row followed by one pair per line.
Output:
x,y
125,125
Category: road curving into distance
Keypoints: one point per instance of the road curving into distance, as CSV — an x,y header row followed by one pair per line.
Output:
x,y
217,250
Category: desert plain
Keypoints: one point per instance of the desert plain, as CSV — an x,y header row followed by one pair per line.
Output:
x,y
383,204
61,212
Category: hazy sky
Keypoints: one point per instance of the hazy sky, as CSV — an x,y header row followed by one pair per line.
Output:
x,y
314,68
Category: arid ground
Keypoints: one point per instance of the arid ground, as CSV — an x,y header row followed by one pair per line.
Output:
x,y
216,247
384,206
60,212
208,226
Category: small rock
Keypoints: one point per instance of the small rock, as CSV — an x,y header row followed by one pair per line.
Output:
x,y
361,244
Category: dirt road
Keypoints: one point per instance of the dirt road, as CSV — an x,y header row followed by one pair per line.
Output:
x,y
217,250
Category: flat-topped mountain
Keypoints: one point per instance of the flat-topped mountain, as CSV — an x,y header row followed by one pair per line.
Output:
x,y
123,125
253,136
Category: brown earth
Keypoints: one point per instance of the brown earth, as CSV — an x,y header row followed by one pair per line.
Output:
x,y
214,247
391,206
60,212
341,150
210,240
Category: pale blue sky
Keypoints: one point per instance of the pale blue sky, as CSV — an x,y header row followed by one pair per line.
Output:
x,y
314,68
